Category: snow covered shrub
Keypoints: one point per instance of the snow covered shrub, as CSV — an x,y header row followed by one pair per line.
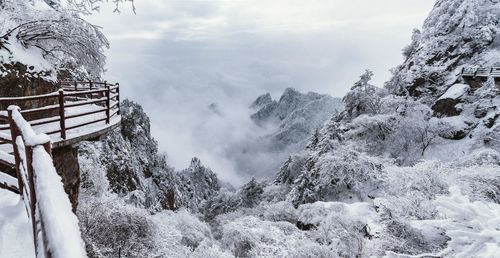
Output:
x,y
479,182
342,227
409,191
252,237
403,129
399,236
193,231
109,226
250,194
278,211
343,174
483,156
224,202
92,170
363,98
373,131
474,227
292,167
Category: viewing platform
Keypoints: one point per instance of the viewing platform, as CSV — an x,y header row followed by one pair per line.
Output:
x,y
78,111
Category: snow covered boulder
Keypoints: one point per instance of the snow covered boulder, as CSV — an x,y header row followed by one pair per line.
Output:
x,y
456,128
446,105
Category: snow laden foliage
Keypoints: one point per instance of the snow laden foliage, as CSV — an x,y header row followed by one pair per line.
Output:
x,y
51,39
457,33
112,227
363,98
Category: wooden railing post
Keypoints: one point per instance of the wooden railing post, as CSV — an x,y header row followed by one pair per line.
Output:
x,y
15,132
62,120
76,86
118,97
37,224
31,187
108,101
90,87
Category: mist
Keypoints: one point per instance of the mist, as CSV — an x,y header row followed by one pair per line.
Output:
x,y
196,66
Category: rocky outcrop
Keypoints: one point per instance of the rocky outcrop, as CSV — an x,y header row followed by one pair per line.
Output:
x,y
446,105
67,166
296,114
129,162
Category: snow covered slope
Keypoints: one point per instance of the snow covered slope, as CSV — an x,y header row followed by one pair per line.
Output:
x,y
16,236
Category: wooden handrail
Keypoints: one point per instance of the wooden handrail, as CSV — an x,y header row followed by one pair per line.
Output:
x,y
29,98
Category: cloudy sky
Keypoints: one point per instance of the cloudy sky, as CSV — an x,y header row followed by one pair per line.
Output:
x,y
176,57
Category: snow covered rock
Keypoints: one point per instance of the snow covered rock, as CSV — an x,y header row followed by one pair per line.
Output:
x,y
288,124
129,163
446,104
457,33
296,114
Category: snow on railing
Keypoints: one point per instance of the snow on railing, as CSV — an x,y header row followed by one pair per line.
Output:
x,y
61,230
56,233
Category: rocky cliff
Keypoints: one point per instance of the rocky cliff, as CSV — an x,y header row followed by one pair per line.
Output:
x,y
126,162
456,34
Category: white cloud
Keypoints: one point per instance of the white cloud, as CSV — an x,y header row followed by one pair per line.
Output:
x,y
177,57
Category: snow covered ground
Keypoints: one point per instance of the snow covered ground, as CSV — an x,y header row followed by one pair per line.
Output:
x,y
16,239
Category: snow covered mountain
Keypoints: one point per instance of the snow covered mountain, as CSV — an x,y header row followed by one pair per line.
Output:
x,y
296,115
287,126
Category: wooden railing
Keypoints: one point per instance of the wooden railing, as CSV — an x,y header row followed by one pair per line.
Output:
x,y
481,72
76,105
90,98
54,225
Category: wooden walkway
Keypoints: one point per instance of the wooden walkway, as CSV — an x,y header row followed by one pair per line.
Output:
x,y
476,77
78,111
481,72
